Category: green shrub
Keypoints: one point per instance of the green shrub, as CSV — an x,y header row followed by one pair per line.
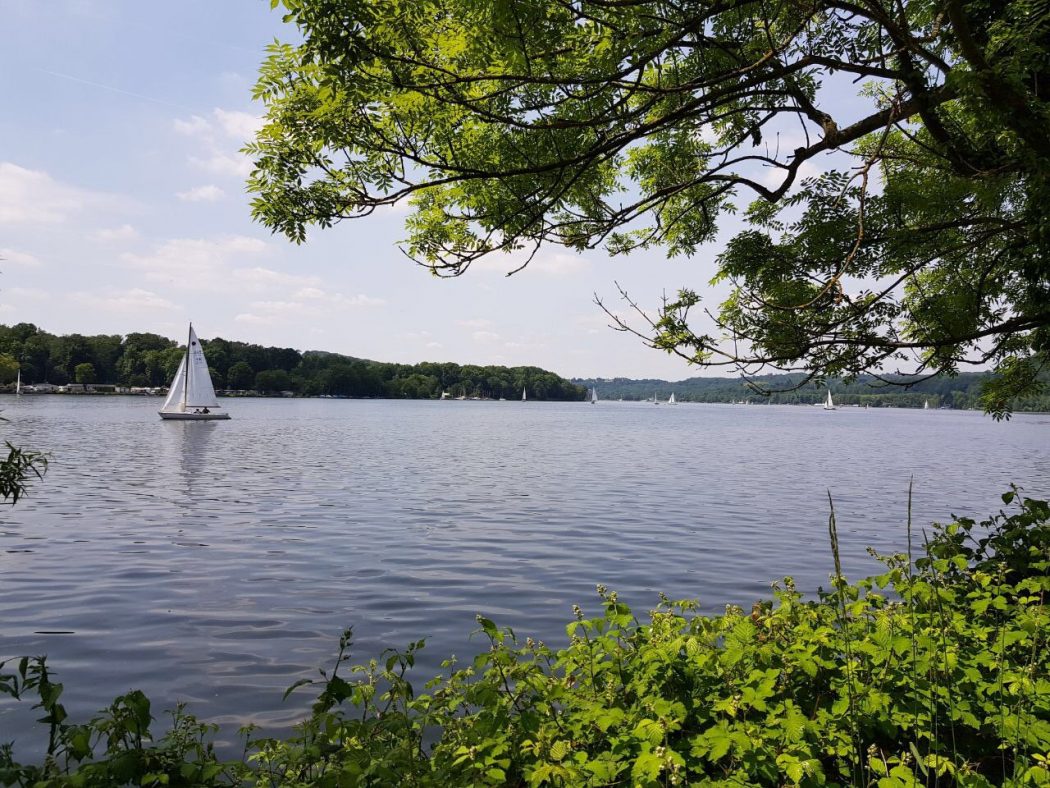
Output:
x,y
934,672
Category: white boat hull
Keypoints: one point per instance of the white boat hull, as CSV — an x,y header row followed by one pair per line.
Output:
x,y
193,416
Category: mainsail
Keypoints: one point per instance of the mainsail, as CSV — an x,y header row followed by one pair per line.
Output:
x,y
199,391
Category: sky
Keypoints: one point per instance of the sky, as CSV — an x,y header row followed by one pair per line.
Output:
x,y
123,209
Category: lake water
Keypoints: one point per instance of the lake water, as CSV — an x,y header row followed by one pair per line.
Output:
x,y
216,563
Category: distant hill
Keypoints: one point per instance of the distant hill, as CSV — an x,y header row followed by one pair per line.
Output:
x,y
962,392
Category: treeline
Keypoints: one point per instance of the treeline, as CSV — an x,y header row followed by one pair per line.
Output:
x,y
962,392
150,360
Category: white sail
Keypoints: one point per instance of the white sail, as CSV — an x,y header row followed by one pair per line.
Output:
x,y
523,395
18,384
829,405
594,395
175,403
199,391
671,400
926,405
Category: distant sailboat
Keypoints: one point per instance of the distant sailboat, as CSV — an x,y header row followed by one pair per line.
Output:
x,y
656,400
829,405
926,405
192,396
18,384
523,397
594,396
671,400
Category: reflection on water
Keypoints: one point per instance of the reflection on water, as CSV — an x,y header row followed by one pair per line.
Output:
x,y
183,446
218,562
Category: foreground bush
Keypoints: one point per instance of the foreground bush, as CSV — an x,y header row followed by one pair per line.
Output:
x,y
933,672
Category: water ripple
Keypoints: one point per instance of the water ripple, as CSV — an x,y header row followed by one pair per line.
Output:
x,y
218,563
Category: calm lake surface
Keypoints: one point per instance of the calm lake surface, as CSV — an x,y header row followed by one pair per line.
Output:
x,y
216,563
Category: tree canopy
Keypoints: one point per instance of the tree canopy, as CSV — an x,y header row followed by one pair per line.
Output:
x,y
921,241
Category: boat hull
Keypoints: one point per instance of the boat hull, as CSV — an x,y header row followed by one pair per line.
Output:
x,y
193,416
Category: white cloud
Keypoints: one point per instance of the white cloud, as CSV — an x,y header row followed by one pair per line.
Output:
x,y
115,300
524,345
244,243
194,127
195,263
221,135
238,125
434,345
549,261
17,258
25,294
277,307
236,165
558,263
357,300
231,124
259,277
271,312
123,233
338,299
34,197
595,323
485,336
208,193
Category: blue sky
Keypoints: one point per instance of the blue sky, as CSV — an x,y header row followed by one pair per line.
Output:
x,y
123,208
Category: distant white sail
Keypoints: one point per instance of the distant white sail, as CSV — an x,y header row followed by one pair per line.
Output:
x,y
523,397
18,384
594,396
671,400
829,405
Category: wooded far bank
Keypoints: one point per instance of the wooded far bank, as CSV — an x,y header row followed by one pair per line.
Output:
x,y
150,360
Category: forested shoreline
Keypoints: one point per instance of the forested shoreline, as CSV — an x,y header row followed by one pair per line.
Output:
x,y
147,360
962,392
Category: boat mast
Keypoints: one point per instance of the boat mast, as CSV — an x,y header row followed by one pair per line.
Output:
x,y
186,388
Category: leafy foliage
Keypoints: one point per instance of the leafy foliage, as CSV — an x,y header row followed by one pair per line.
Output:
x,y
17,470
933,672
512,123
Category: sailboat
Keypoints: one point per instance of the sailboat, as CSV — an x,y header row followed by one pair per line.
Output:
x,y
829,405
18,384
671,401
656,400
523,397
594,396
926,405
192,396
